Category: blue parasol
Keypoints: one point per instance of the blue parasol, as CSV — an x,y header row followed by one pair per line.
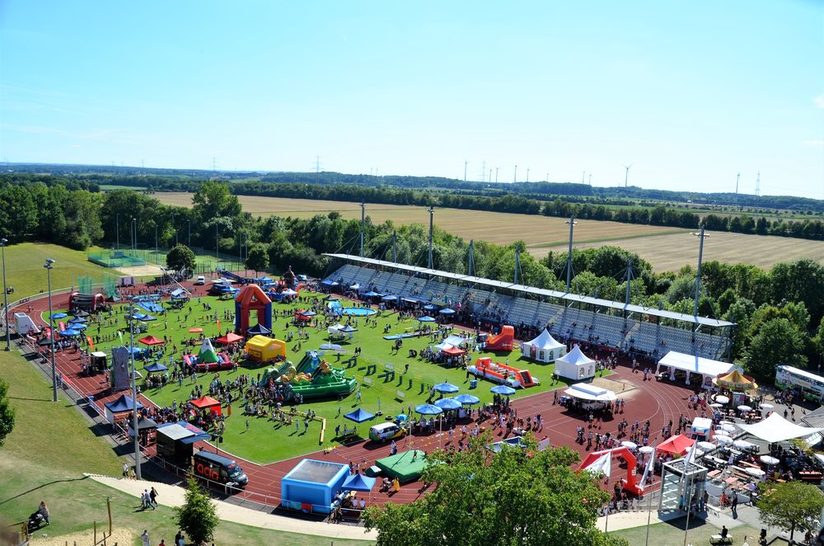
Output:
x,y
426,319
359,415
57,316
467,399
502,389
428,409
446,388
448,404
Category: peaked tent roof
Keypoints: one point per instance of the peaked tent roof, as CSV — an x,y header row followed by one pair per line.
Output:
x,y
258,329
584,391
122,403
577,357
545,341
231,337
677,445
736,379
205,402
777,429
359,482
151,340
359,415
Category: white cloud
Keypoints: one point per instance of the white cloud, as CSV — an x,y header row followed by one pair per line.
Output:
x,y
819,101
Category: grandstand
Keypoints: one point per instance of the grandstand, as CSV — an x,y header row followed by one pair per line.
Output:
x,y
570,317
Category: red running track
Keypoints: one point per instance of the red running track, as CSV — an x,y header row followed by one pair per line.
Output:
x,y
649,400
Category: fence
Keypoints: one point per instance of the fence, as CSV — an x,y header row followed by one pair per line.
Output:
x,y
206,260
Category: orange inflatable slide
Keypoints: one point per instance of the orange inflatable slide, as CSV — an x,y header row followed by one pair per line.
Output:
x,y
501,342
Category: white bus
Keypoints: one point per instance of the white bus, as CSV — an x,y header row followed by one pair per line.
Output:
x,y
810,385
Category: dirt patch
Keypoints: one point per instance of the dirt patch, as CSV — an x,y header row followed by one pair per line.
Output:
x,y
619,387
119,537
140,271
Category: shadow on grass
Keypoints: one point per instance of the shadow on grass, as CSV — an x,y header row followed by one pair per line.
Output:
x,y
25,399
41,486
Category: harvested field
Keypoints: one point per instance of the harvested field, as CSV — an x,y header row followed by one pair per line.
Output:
x,y
667,249
539,232
671,252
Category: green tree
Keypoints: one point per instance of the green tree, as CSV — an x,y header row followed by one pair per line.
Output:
x,y
778,341
792,505
503,499
258,258
197,517
6,412
181,258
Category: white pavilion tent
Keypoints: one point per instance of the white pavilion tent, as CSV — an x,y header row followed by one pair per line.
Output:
x,y
706,367
543,348
575,365
777,429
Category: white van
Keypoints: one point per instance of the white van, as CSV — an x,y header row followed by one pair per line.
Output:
x,y
386,431
201,280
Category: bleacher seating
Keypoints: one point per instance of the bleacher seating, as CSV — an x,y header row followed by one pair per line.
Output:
x,y
565,323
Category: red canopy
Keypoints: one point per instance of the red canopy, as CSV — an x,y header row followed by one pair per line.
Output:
x,y
229,338
207,402
677,445
151,340
453,351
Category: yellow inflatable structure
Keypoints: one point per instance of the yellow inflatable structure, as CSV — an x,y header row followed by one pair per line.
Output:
x,y
265,349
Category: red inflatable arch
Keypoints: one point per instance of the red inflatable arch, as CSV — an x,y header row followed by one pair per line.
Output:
x,y
252,298
629,484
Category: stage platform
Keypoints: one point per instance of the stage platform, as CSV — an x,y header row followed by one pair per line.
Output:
x,y
407,466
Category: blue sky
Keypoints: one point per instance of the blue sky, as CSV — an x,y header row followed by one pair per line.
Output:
x,y
689,93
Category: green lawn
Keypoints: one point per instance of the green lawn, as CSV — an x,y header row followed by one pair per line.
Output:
x,y
672,533
25,272
265,442
51,447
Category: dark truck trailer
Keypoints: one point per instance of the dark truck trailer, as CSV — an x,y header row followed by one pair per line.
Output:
x,y
219,469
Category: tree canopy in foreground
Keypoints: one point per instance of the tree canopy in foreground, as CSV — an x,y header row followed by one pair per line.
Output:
x,y
792,505
517,497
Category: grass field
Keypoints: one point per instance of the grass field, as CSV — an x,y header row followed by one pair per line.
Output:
x,y
51,447
672,533
265,442
25,272
667,249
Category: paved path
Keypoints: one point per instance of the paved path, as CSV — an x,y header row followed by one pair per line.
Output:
x,y
171,495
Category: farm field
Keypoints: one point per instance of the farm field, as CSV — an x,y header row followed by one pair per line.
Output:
x,y
666,248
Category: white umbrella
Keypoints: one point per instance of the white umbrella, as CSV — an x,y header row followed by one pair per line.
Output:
x,y
699,452
629,445
744,407
646,449
716,405
706,446
757,472
727,428
723,439
769,460
722,399
767,406
725,423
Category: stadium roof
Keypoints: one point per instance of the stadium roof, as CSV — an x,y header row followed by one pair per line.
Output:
x,y
564,296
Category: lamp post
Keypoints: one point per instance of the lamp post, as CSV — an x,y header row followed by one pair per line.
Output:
x,y
3,243
134,234
571,223
134,395
701,236
49,265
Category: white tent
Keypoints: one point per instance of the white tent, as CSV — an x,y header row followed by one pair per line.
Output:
x,y
691,364
777,429
543,348
602,464
590,393
575,365
455,341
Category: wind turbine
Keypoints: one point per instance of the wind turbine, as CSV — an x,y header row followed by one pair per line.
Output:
x,y
626,174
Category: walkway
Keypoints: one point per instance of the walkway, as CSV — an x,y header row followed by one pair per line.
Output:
x,y
173,496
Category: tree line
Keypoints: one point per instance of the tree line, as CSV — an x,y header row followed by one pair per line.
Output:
x,y
778,311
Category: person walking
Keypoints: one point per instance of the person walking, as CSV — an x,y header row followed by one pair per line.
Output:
x,y
734,505
144,538
153,498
